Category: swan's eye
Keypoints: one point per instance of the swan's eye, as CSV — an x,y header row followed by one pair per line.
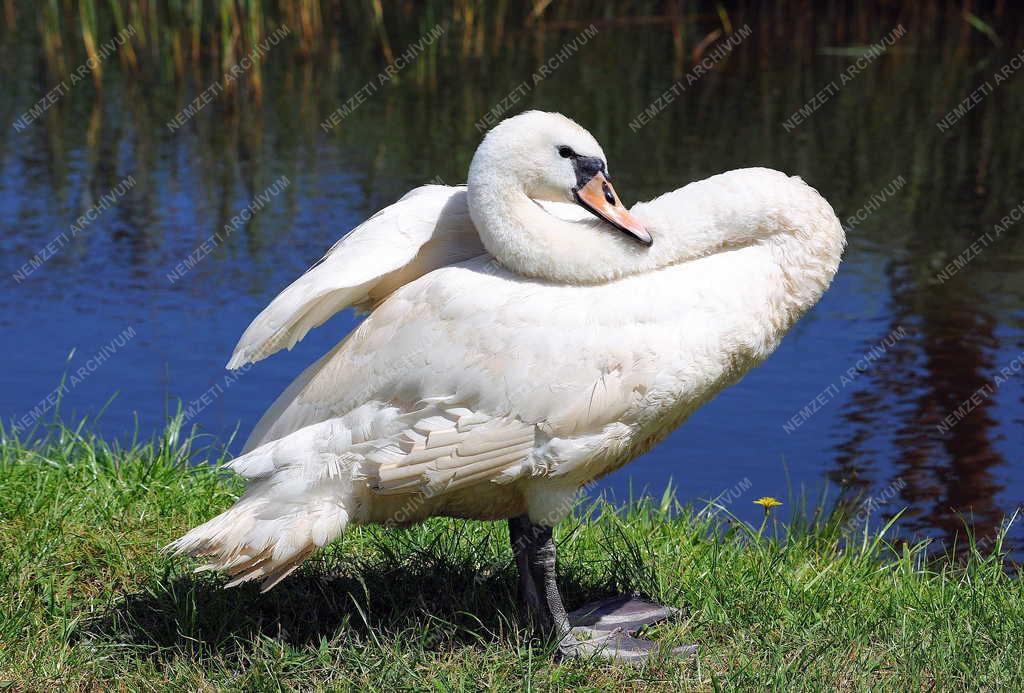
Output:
x,y
566,152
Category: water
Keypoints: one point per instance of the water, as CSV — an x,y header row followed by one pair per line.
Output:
x,y
915,195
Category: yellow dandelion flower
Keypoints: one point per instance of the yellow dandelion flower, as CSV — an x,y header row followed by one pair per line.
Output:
x,y
767,502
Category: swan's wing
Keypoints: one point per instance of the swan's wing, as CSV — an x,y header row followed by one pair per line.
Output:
x,y
436,448
428,228
462,375
449,449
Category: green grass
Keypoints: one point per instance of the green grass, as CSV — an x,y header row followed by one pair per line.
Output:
x,y
87,601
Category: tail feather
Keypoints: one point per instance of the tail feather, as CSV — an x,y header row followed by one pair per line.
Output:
x,y
299,499
259,539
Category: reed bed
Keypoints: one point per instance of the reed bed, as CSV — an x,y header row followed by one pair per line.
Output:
x,y
172,39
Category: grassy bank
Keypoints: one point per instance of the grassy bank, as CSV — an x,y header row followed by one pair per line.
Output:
x,y
88,602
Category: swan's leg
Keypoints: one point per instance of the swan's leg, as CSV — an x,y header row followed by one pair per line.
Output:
x,y
535,611
603,631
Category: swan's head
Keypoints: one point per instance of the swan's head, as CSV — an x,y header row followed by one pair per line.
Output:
x,y
542,200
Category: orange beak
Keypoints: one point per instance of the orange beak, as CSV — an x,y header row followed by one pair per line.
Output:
x,y
598,196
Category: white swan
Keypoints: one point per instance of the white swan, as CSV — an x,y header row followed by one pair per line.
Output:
x,y
526,334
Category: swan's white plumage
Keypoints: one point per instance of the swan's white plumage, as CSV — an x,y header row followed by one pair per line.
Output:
x,y
473,391
428,228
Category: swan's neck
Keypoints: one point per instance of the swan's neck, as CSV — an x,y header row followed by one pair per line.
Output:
x,y
806,264
794,226
788,224
533,239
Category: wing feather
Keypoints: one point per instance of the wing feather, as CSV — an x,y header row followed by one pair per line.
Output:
x,y
399,458
431,465
428,228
